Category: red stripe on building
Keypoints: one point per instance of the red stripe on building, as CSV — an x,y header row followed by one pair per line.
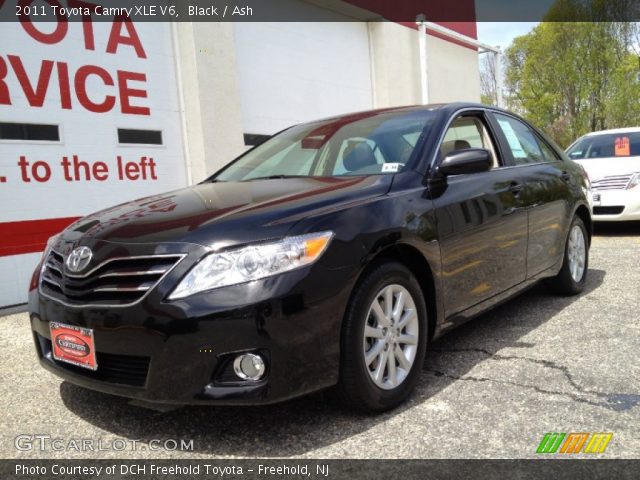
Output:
x,y
458,15
466,28
29,236
442,12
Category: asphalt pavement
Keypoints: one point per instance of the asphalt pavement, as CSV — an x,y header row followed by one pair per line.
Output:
x,y
492,388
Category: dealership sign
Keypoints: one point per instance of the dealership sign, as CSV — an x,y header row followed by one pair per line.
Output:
x,y
35,86
89,117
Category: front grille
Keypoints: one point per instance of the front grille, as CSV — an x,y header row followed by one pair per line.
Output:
x,y
607,210
613,182
122,369
117,281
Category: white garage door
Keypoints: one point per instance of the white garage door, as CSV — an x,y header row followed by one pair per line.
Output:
x,y
295,72
89,117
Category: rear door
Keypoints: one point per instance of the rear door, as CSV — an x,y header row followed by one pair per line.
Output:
x,y
481,223
545,182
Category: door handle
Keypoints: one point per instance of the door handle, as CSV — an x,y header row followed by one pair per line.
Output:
x,y
515,188
565,176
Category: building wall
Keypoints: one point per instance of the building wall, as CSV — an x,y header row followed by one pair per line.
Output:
x,y
396,64
277,75
206,62
453,72
452,69
203,86
296,72
87,87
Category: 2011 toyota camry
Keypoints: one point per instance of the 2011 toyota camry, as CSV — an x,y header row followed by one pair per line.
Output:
x,y
328,256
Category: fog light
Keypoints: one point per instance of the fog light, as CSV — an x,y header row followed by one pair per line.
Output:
x,y
249,366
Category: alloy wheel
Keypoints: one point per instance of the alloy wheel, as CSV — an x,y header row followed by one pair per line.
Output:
x,y
390,340
577,252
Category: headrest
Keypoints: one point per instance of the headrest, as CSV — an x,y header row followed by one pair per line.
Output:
x,y
461,145
358,156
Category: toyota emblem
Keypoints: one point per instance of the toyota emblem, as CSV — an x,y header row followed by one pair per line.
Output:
x,y
78,259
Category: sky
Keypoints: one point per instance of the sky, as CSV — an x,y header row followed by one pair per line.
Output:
x,y
502,33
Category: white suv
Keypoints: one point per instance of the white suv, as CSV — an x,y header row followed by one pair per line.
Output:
x,y
612,161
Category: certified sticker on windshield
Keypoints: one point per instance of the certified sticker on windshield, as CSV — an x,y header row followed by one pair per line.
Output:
x,y
391,167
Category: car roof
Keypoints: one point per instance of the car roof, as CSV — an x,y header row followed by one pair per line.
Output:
x,y
614,130
453,106
435,106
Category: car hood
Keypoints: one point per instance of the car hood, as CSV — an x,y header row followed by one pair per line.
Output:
x,y
598,168
227,213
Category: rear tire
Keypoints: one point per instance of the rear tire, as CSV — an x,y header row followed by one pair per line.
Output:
x,y
384,340
573,274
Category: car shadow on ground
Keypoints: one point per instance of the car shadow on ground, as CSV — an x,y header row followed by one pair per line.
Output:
x,y
296,427
616,229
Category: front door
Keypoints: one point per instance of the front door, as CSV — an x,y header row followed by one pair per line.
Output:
x,y
482,226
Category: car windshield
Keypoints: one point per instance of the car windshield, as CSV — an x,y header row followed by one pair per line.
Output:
x,y
606,145
359,144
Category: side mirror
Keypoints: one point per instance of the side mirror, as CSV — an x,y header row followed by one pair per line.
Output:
x,y
471,160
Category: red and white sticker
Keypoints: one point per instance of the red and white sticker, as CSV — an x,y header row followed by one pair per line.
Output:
x,y
623,147
74,345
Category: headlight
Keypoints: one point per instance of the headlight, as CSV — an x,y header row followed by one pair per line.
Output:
x,y
254,262
634,182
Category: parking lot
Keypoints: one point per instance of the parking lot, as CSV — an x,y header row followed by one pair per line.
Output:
x,y
492,388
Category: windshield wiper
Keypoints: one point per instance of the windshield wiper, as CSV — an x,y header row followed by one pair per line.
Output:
x,y
272,177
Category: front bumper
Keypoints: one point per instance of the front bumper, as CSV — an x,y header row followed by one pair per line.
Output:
x,y
616,205
179,352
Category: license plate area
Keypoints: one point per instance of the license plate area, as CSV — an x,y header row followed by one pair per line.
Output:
x,y
73,345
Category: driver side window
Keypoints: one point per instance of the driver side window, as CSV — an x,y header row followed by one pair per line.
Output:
x,y
468,132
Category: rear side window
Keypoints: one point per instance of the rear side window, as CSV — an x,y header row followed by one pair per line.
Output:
x,y
521,140
550,154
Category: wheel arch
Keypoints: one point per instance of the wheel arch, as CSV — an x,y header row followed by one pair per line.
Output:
x,y
583,213
414,260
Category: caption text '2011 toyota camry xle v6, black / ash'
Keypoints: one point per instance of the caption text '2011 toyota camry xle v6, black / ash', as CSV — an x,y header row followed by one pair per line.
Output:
x,y
329,256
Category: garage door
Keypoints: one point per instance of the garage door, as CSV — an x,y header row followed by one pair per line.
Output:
x,y
89,117
294,72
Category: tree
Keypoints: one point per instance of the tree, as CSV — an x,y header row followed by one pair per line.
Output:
x,y
488,79
574,77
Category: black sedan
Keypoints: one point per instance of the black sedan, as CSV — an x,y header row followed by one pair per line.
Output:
x,y
327,257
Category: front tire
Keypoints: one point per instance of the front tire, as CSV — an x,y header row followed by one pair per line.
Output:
x,y
573,275
384,339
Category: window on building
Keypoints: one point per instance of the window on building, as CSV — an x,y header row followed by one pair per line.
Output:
x,y
145,137
29,131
